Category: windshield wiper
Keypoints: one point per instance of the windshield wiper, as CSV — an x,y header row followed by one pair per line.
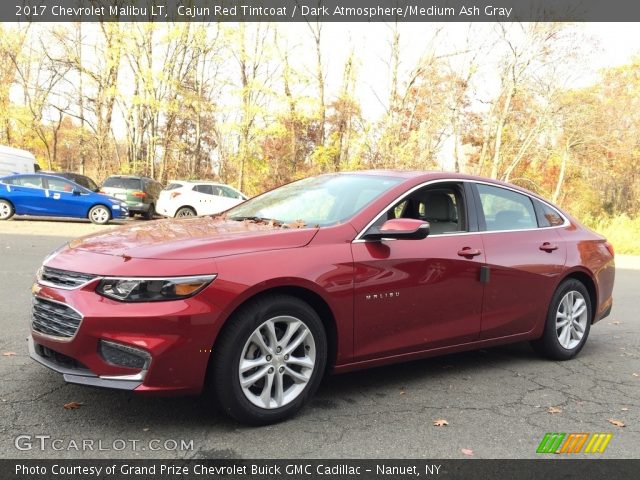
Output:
x,y
255,219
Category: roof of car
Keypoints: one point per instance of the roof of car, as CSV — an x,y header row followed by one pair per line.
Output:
x,y
426,175
205,182
46,172
127,176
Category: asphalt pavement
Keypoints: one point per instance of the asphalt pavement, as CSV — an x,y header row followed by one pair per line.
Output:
x,y
497,402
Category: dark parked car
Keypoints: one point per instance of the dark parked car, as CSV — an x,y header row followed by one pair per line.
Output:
x,y
337,272
78,178
53,196
140,193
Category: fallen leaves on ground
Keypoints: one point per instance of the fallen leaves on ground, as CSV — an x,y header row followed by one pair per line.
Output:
x,y
636,374
9,354
402,391
615,322
72,405
624,409
553,410
441,422
615,422
467,451
298,224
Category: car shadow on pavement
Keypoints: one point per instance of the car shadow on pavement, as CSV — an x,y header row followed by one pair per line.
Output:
x,y
116,411
402,376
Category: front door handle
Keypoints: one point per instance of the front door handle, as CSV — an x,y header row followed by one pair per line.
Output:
x,y
548,247
469,252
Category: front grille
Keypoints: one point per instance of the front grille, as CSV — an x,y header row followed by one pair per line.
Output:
x,y
52,318
64,278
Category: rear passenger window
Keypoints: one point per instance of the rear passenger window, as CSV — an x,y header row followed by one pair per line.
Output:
x,y
32,181
505,209
206,189
547,216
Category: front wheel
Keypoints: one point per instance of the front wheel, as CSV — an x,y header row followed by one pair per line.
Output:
x,y
6,210
269,360
99,215
568,322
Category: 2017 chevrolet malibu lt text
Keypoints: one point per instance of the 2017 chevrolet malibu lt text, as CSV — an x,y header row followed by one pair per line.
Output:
x,y
331,273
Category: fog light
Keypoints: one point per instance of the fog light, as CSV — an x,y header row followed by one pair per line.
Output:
x,y
124,355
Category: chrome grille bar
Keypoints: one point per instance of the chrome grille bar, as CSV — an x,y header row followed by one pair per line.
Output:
x,y
53,318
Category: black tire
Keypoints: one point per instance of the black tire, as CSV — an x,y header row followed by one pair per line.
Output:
x,y
549,345
149,214
185,212
98,219
224,373
6,210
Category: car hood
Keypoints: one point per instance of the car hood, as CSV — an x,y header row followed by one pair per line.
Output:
x,y
192,239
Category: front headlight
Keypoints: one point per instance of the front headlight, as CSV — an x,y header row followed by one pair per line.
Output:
x,y
152,289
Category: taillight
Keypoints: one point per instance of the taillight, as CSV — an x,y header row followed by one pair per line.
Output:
x,y
175,194
610,248
139,194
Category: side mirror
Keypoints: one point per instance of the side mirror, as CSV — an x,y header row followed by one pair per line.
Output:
x,y
76,192
400,229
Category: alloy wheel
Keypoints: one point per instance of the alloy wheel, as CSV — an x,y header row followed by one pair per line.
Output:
x,y
5,210
277,362
99,215
571,319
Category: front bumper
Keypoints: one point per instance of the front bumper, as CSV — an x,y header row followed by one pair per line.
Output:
x,y
78,374
120,212
177,335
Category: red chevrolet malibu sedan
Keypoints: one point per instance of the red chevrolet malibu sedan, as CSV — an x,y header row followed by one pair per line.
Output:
x,y
331,273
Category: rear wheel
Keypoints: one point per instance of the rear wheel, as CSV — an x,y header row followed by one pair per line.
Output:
x,y
6,210
269,360
568,322
99,215
185,212
149,214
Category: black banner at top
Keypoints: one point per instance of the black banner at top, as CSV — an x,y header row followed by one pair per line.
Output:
x,y
319,10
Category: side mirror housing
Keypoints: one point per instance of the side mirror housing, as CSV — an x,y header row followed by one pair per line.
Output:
x,y
400,229
76,192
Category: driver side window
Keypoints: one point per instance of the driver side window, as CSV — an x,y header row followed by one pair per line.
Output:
x,y
441,205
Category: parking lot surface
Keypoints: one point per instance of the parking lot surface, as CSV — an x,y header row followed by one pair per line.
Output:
x,y
498,402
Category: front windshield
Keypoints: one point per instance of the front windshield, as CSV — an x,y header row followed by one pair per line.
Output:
x,y
321,201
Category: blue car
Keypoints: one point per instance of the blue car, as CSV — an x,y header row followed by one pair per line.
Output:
x,y
53,196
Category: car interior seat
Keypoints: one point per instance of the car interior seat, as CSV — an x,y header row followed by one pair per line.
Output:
x,y
439,211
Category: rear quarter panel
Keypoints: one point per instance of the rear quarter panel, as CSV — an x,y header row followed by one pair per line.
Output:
x,y
587,253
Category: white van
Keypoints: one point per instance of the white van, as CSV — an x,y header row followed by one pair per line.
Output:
x,y
14,160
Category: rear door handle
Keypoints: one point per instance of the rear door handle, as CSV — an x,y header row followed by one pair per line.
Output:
x,y
469,252
548,247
